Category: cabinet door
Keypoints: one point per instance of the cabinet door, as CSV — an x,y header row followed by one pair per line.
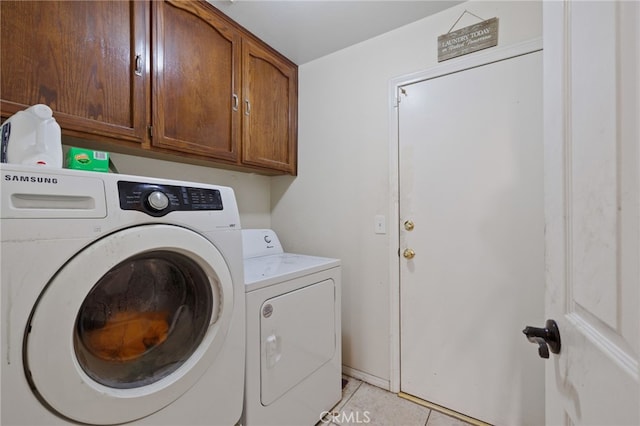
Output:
x,y
196,61
270,97
79,58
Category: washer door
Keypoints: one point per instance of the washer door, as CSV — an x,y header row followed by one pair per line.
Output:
x,y
129,324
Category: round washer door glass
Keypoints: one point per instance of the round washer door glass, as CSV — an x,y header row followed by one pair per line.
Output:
x,y
129,324
143,319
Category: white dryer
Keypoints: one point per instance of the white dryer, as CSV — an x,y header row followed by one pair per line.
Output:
x,y
122,300
294,359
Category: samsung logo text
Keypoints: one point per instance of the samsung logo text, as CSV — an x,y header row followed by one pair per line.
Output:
x,y
31,179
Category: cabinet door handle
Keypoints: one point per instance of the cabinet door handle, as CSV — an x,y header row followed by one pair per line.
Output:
x,y
247,110
235,102
138,69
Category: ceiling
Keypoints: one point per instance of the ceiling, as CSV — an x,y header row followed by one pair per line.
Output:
x,y
304,30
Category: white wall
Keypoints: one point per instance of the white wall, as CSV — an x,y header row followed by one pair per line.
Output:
x,y
344,159
252,191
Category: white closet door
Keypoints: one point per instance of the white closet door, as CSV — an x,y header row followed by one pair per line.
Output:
x,y
471,182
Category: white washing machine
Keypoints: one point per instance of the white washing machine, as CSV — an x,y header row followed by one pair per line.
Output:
x,y
122,300
294,358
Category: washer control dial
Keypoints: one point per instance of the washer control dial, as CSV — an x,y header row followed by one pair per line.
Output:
x,y
158,200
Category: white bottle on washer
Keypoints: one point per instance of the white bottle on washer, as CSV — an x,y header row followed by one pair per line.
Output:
x,y
32,137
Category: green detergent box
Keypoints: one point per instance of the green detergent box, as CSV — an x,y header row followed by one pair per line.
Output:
x,y
87,159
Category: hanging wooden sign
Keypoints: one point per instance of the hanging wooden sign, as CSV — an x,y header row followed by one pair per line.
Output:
x,y
468,39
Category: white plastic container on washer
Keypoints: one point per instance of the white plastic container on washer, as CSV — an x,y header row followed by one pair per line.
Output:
x,y
32,137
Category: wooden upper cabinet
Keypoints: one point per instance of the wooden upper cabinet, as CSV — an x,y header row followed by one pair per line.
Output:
x,y
170,78
270,99
196,70
79,58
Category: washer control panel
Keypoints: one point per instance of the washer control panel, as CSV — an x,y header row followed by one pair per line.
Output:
x,y
158,200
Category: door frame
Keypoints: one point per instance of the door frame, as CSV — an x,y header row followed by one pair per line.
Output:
x,y
440,70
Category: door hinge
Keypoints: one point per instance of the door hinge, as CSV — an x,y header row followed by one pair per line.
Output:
x,y
150,127
401,91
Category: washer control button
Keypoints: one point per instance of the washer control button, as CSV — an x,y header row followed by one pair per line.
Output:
x,y
158,200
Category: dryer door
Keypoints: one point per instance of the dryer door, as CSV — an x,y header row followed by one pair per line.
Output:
x,y
129,324
297,335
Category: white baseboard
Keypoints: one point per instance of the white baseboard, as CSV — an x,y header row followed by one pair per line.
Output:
x,y
365,377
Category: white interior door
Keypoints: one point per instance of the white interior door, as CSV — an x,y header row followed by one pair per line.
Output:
x,y
592,178
471,182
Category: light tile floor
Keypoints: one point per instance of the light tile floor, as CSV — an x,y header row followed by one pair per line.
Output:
x,y
364,404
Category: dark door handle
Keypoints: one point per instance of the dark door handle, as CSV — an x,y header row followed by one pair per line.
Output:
x,y
547,338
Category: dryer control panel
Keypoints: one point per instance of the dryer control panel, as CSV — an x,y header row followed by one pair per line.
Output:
x,y
158,200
